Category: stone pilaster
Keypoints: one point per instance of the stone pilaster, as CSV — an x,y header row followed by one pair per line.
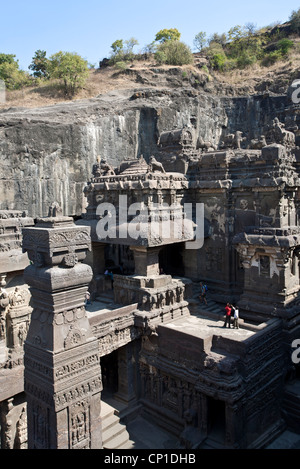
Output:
x,y
146,260
62,364
126,375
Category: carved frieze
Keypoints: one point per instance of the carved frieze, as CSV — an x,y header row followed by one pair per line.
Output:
x,y
85,389
115,339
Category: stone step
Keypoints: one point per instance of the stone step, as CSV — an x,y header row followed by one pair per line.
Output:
x,y
110,421
106,410
128,445
115,436
105,299
114,433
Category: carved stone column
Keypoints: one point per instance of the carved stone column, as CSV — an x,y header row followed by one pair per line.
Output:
x,y
126,375
146,260
62,365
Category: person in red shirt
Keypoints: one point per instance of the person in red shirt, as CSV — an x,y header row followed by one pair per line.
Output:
x,y
227,315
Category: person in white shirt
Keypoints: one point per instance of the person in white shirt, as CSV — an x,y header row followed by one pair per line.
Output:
x,y
235,317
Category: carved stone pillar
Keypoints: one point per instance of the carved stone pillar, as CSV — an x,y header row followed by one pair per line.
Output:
x,y
4,302
7,436
126,375
62,365
146,261
17,319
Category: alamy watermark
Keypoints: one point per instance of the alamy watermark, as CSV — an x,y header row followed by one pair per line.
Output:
x,y
158,221
296,353
2,92
296,91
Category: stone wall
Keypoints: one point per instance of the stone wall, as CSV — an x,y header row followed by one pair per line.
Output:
x,y
47,154
181,374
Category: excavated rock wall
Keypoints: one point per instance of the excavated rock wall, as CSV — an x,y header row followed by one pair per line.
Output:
x,y
47,154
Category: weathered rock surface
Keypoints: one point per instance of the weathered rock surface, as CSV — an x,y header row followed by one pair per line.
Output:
x,y
47,154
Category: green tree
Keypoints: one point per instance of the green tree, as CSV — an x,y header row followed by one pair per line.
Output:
x,y
250,28
13,77
218,61
150,48
40,64
130,43
7,58
117,51
217,56
284,45
165,35
295,21
117,46
71,68
218,38
200,41
235,33
174,53
122,50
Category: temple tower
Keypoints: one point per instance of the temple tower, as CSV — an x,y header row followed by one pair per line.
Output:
x,y
62,365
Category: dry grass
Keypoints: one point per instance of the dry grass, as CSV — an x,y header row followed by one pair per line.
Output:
x,y
98,82
51,92
110,78
288,68
258,72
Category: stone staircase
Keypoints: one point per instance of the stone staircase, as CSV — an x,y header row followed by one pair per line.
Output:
x,y
114,433
211,309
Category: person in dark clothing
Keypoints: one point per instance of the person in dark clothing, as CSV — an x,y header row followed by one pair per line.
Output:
x,y
227,315
111,275
203,290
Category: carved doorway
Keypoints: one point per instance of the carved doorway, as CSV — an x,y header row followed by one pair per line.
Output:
x,y
171,259
109,371
216,419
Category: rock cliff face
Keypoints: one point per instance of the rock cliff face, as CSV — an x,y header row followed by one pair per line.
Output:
x,y
47,154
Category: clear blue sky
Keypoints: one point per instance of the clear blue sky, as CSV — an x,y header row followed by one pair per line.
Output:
x,y
90,27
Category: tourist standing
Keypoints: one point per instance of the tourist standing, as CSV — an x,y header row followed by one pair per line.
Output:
x,y
235,317
203,290
227,315
87,298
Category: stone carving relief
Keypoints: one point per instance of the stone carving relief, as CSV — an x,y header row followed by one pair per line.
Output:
x,y
233,141
258,144
277,133
21,433
205,145
74,338
4,302
55,210
102,168
79,425
155,165
19,297
40,426
70,260
76,392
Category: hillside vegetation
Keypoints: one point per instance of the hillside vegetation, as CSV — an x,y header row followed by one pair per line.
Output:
x,y
244,61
